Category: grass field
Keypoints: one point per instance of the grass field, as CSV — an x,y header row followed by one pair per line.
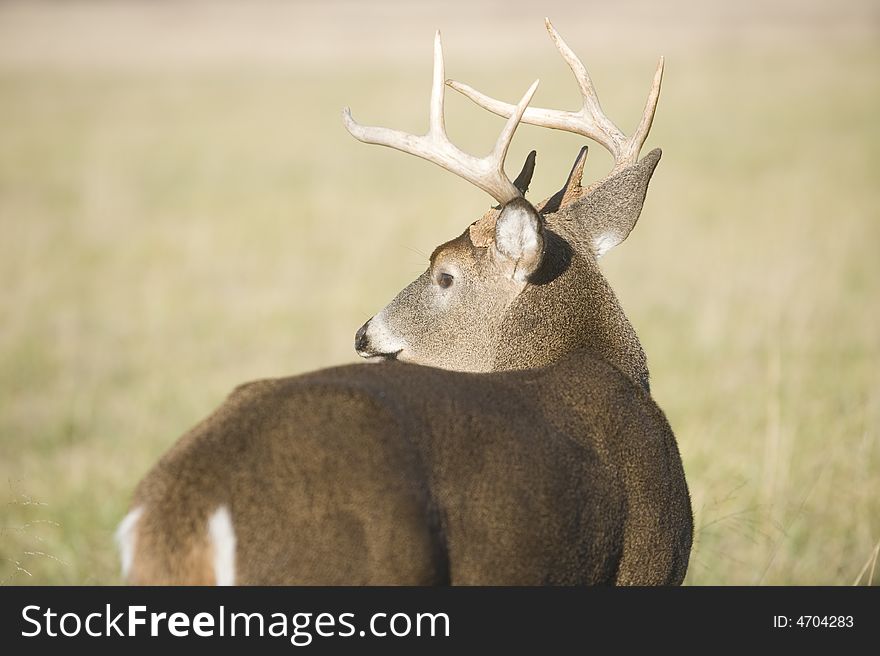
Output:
x,y
182,211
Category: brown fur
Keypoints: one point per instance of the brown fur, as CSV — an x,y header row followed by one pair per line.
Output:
x,y
556,469
494,324
402,474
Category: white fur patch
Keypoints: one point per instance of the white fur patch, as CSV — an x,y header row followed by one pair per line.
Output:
x,y
125,538
517,234
517,238
222,538
380,338
604,243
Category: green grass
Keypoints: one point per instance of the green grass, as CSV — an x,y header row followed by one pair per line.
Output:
x,y
173,223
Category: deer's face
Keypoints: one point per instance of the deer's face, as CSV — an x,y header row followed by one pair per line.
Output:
x,y
448,316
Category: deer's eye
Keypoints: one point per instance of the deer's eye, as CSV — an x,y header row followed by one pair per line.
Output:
x,y
445,280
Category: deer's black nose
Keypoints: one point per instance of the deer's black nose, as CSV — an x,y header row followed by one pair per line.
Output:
x,y
360,339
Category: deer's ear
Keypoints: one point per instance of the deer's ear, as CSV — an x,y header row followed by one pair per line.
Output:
x,y
607,215
519,239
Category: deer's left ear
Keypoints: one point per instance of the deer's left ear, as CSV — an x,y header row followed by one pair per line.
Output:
x,y
519,239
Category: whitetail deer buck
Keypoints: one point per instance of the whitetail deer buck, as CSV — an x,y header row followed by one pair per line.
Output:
x,y
554,466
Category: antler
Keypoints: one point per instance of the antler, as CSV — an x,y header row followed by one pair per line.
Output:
x,y
485,172
590,121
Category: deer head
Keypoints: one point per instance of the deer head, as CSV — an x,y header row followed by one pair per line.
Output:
x,y
521,286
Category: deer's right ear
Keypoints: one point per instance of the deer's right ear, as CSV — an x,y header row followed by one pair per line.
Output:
x,y
519,239
609,213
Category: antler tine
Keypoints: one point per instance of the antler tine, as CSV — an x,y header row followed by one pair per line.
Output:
x,y
590,121
591,114
487,172
437,122
638,139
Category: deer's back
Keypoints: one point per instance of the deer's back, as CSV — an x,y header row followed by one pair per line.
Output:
x,y
396,473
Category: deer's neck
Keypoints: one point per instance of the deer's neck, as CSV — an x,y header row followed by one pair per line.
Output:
x,y
570,308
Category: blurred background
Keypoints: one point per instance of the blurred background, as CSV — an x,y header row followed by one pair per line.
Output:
x,y
181,211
